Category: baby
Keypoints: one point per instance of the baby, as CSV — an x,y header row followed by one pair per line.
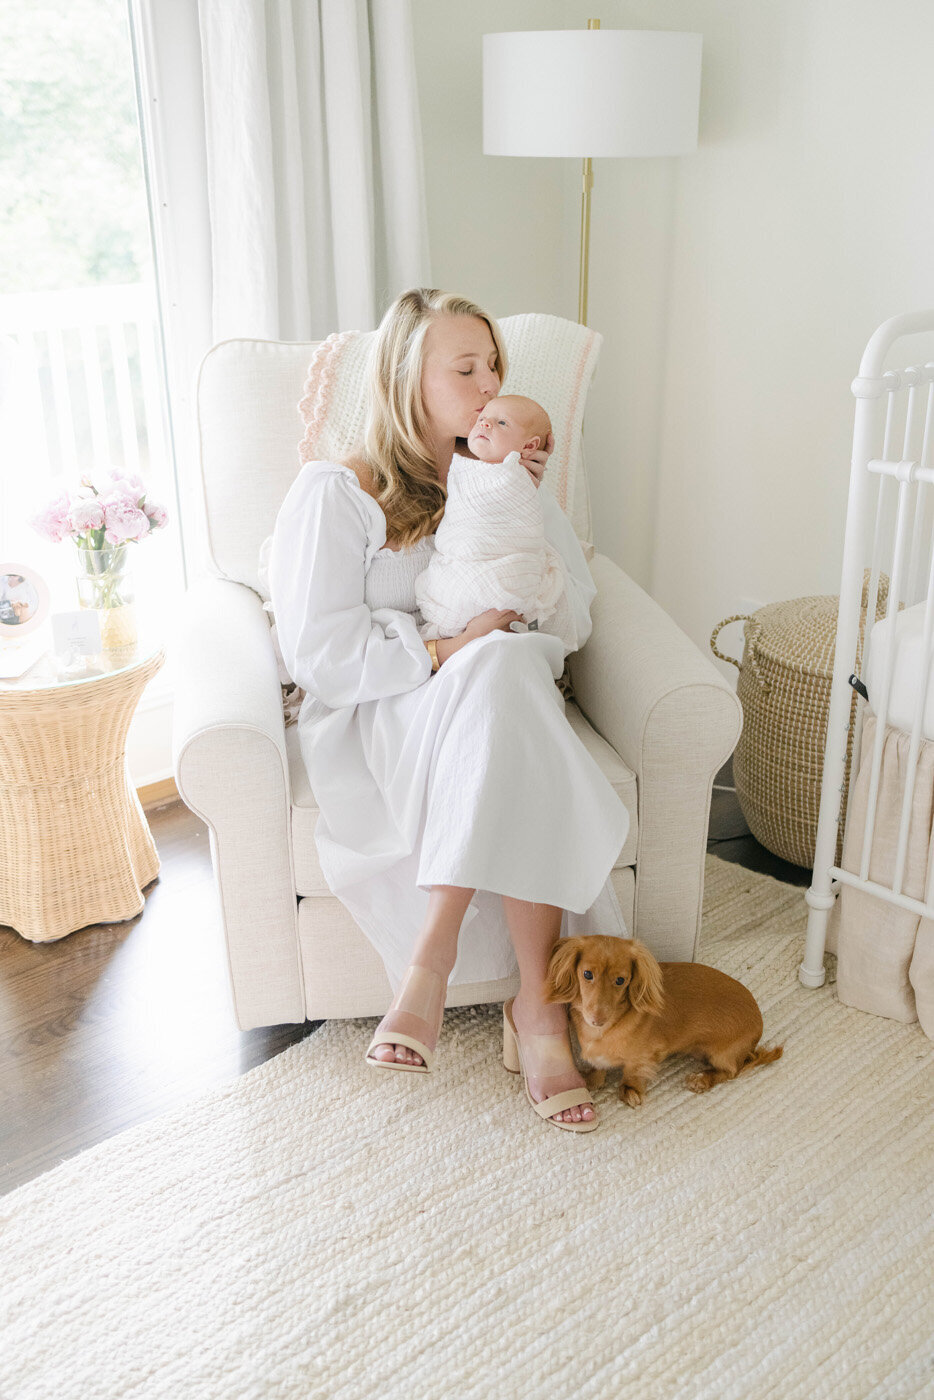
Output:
x,y
490,548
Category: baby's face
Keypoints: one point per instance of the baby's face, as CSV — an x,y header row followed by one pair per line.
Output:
x,y
501,428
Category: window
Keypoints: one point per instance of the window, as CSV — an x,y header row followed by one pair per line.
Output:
x,y
82,383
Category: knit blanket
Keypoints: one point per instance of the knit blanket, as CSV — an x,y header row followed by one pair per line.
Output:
x,y
490,550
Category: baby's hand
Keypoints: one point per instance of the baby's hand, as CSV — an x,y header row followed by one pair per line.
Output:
x,y
536,462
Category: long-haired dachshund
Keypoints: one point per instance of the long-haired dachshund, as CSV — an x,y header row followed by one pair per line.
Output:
x,y
630,1012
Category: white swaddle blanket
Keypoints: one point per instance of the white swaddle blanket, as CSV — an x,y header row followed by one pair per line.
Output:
x,y
490,550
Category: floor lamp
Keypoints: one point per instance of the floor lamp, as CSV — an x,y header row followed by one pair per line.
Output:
x,y
590,92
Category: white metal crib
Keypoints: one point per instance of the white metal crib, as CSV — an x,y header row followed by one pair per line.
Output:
x,y
893,460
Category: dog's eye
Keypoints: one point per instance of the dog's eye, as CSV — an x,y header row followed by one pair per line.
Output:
x,y
620,981
589,976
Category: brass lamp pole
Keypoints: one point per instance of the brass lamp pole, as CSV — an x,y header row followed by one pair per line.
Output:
x,y
585,225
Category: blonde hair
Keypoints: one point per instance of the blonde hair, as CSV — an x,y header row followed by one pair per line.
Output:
x,y
396,445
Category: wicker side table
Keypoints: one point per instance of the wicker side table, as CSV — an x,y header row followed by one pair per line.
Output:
x,y
75,848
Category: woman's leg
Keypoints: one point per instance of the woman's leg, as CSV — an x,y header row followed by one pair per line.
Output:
x,y
534,929
436,949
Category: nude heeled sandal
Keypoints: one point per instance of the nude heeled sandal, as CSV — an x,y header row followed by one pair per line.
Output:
x,y
550,1051
421,994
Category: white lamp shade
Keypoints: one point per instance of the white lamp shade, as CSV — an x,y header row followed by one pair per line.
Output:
x,y
591,92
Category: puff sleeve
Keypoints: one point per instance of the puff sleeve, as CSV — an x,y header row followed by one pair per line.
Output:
x,y
333,646
571,622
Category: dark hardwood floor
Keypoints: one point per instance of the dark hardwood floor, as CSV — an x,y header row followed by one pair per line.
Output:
x,y
118,1023
729,836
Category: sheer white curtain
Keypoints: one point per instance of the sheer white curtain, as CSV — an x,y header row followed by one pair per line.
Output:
x,y
283,153
314,164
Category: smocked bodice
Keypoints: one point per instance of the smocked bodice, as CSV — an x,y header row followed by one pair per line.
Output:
x,y
390,579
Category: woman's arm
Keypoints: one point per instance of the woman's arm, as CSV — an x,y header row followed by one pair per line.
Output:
x,y
333,646
493,620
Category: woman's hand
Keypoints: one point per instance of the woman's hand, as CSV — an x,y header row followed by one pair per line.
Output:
x,y
489,621
536,462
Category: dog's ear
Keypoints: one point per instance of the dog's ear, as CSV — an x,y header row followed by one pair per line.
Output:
x,y
645,989
561,977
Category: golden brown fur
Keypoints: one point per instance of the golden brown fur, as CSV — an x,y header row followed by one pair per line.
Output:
x,y
631,1012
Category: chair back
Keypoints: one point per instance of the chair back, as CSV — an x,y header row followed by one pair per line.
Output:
x,y
249,428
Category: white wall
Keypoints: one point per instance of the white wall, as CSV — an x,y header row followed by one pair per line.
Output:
x,y
490,219
506,232
805,220
735,288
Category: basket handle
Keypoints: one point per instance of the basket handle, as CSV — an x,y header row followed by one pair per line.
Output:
x,y
757,628
737,617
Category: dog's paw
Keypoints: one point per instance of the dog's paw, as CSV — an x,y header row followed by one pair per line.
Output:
x,y
698,1083
632,1096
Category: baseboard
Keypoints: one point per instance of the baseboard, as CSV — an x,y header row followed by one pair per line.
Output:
x,y
157,794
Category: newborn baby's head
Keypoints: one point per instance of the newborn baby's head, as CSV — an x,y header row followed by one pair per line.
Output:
x,y
510,423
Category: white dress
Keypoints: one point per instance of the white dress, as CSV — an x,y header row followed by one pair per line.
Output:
x,y
468,776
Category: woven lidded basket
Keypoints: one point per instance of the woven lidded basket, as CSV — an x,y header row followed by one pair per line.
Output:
x,y
784,688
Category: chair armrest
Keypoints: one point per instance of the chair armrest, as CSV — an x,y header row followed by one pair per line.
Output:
x,y
639,667
671,716
226,666
231,769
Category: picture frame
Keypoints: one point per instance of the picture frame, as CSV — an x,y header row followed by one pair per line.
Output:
x,y
24,601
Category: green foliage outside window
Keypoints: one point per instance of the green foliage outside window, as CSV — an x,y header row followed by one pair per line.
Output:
x,y
72,197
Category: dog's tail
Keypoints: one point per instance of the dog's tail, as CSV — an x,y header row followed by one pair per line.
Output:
x,y
762,1055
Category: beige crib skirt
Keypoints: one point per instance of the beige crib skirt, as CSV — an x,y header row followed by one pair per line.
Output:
x,y
885,955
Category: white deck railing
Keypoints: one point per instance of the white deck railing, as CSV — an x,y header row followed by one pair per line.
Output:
x,y
82,389
91,378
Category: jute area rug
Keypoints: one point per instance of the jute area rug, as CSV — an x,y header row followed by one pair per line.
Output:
x,y
320,1229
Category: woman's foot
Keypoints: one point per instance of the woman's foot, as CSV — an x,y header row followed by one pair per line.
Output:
x,y
417,1010
540,1018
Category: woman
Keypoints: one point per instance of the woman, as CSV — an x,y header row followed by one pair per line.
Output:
x,y
453,792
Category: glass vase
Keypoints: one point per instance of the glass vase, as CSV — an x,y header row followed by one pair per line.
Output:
x,y
105,583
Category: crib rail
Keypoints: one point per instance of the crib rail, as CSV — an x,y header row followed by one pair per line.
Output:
x,y
890,528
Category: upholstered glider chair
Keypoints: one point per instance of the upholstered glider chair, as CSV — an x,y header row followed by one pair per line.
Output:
x,y
652,710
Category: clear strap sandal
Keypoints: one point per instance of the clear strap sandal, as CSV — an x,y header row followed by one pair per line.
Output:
x,y
545,1055
420,999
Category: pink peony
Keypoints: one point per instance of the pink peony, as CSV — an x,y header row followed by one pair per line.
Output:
x,y
122,518
115,503
128,483
53,521
86,514
158,517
